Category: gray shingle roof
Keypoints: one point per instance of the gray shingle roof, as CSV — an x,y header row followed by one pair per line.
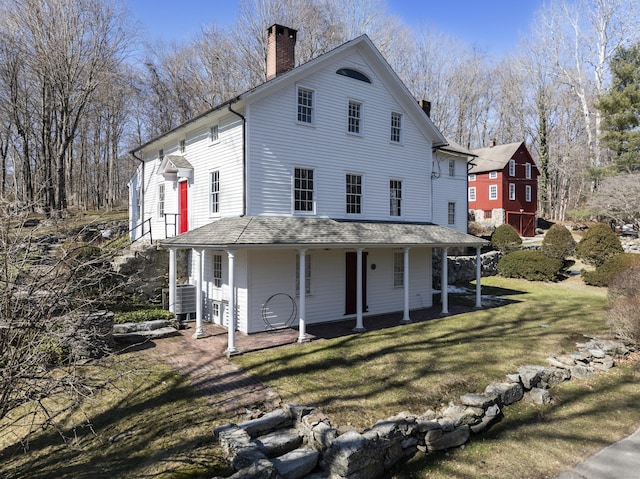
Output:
x,y
493,158
253,231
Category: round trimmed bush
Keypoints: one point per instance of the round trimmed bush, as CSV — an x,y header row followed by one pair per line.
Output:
x,y
505,238
531,265
614,266
598,245
558,242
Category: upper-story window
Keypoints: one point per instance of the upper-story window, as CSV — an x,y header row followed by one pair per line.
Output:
x,y
396,127
512,191
493,175
452,168
451,213
527,170
161,154
527,193
472,177
355,117
214,192
395,197
472,193
183,146
512,167
161,200
214,134
303,190
493,192
355,74
354,193
305,105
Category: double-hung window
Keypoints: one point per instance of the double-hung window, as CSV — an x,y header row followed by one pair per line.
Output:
x,y
217,270
472,193
395,197
396,127
472,177
527,171
398,269
303,190
512,191
214,134
493,175
183,146
451,213
307,274
161,155
161,196
527,193
355,117
512,167
354,194
214,192
493,192
305,105
452,168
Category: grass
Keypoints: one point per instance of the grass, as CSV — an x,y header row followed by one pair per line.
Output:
x,y
164,427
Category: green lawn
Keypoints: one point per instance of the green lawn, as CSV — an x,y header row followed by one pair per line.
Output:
x,y
164,430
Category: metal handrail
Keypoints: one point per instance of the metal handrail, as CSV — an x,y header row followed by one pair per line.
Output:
x,y
141,225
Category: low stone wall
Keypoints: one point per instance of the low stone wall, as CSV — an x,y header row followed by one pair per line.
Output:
x,y
463,268
298,442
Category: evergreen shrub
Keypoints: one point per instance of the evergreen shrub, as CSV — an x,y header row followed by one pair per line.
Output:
x,y
505,238
605,273
558,242
531,265
598,245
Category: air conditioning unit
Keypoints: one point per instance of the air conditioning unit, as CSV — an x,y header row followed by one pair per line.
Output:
x,y
185,299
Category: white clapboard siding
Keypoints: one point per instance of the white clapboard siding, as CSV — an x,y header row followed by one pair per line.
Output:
x,y
450,189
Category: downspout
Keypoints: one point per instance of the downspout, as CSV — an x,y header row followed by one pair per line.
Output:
x,y
244,159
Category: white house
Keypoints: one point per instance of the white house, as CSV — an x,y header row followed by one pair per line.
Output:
x,y
312,197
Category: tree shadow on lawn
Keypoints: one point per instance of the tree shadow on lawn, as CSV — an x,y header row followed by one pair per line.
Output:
x,y
148,427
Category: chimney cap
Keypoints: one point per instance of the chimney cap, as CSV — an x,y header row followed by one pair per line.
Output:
x,y
278,28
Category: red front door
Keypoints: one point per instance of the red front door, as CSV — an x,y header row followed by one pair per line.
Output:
x,y
183,224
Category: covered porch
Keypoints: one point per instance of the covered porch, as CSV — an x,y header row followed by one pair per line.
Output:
x,y
231,235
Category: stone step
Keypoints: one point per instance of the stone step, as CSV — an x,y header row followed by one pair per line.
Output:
x,y
297,463
278,442
142,335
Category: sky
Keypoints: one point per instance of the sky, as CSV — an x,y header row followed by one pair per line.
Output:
x,y
493,26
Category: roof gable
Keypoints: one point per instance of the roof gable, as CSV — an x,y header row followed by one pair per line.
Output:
x,y
494,158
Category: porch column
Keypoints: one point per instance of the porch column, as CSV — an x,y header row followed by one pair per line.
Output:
x,y
302,302
478,277
444,281
199,254
172,280
231,327
359,307
405,281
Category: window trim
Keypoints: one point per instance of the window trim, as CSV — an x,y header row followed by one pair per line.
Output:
x,y
512,191
527,170
356,195
396,127
295,200
395,202
355,122
312,111
471,177
493,175
214,134
214,195
452,168
161,199
451,213
182,146
217,270
528,193
472,197
398,269
512,167
495,189
307,274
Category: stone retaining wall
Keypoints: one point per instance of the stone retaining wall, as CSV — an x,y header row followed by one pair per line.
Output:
x,y
298,442
463,268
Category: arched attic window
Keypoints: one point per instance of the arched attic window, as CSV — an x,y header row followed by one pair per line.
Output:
x,y
356,75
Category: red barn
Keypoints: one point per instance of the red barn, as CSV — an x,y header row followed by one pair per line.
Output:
x,y
503,187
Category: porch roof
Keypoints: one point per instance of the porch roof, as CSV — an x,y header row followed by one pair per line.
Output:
x,y
278,231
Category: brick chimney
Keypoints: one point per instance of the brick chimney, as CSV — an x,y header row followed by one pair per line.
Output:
x,y
426,106
493,142
281,45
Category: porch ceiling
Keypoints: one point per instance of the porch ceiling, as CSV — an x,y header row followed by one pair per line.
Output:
x,y
277,231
